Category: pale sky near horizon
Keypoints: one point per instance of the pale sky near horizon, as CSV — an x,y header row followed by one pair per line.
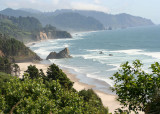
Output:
x,y
145,8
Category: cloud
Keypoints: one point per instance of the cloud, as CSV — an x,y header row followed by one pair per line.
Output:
x,y
52,5
33,1
97,1
55,2
87,6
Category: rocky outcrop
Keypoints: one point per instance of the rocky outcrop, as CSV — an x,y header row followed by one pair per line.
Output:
x,y
42,36
50,36
62,54
1,54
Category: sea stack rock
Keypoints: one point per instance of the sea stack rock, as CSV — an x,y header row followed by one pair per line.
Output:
x,y
62,54
110,54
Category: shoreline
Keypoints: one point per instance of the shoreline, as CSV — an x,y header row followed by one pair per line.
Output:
x,y
107,99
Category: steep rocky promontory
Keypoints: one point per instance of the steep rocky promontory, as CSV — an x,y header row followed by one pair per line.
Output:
x,y
16,50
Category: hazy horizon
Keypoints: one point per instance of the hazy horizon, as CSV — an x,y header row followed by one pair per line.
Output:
x,y
143,8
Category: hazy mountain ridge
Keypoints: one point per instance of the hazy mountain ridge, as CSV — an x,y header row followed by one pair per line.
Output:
x,y
109,20
81,20
76,22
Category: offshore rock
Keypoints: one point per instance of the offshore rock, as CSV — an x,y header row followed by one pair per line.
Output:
x,y
62,54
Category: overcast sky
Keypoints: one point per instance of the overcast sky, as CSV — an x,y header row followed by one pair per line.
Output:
x,y
145,8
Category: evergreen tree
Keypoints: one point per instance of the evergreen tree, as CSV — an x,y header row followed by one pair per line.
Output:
x,y
33,71
55,73
15,70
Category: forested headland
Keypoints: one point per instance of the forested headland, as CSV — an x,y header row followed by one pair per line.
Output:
x,y
27,29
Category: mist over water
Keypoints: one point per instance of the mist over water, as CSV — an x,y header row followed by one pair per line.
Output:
x,y
124,45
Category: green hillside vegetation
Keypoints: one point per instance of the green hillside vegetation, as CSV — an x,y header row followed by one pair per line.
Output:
x,y
28,29
5,65
16,50
46,95
4,78
14,32
27,23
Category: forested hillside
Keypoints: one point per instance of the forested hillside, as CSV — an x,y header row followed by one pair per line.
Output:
x,y
16,50
28,29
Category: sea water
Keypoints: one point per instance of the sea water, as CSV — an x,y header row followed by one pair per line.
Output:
x,y
98,55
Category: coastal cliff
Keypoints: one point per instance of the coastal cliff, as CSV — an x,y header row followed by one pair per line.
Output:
x,y
42,36
16,50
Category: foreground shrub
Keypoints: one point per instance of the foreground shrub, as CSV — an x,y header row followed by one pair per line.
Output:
x,y
136,89
43,96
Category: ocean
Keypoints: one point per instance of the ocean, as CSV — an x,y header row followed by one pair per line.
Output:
x,y
98,55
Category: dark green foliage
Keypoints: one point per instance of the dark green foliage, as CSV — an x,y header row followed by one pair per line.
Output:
x,y
3,79
12,47
88,95
32,71
5,65
16,49
43,97
136,89
35,73
8,66
55,73
15,70
91,98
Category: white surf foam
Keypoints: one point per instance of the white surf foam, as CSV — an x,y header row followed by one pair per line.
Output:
x,y
96,50
105,79
42,52
130,51
139,52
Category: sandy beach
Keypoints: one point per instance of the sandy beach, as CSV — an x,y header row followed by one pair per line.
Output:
x,y
108,100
